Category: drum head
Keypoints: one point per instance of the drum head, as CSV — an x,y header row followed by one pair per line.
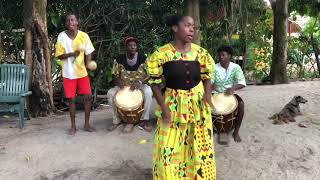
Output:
x,y
127,99
223,104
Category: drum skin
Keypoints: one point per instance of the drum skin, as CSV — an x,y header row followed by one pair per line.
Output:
x,y
224,118
128,111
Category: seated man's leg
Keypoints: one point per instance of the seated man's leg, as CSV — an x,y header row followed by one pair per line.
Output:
x,y
145,124
238,119
70,93
115,120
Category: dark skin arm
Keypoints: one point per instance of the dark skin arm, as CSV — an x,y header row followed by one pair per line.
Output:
x,y
234,88
135,85
66,56
87,58
166,116
207,91
118,82
214,87
138,84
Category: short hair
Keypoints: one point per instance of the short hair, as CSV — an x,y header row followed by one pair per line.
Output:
x,y
174,20
227,49
69,14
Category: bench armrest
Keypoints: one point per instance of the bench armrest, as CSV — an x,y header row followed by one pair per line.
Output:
x,y
26,94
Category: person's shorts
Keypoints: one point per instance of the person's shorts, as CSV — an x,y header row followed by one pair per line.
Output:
x,y
72,85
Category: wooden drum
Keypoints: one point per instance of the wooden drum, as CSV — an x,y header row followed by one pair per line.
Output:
x,y
225,109
129,105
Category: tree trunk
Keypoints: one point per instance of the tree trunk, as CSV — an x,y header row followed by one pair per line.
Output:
x,y
37,56
278,70
316,51
194,11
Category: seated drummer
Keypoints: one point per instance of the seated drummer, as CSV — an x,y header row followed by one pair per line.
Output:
x,y
129,70
228,78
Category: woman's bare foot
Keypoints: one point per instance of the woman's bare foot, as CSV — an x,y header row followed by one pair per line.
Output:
x,y
72,131
128,128
89,128
236,137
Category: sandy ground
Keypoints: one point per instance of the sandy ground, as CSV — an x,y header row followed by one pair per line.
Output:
x,y
43,150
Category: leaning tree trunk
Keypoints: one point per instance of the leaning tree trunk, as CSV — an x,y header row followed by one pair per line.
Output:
x,y
278,70
193,11
37,56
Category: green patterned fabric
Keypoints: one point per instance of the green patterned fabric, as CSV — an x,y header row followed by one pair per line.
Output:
x,y
227,78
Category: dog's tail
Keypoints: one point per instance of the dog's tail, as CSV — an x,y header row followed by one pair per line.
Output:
x,y
273,116
276,119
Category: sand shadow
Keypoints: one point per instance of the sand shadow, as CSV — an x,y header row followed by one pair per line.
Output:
x,y
127,170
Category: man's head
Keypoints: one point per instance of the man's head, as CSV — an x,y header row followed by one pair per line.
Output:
x,y
131,45
71,22
225,54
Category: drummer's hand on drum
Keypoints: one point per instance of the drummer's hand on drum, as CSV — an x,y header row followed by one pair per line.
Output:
x,y
166,115
214,87
121,84
230,91
135,85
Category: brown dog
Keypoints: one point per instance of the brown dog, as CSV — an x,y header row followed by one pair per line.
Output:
x,y
289,112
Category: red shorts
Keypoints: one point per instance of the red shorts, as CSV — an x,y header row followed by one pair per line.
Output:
x,y
71,86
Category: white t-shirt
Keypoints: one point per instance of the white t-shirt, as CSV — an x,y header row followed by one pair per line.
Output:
x,y
73,68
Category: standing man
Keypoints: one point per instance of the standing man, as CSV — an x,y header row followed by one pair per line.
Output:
x,y
228,78
129,70
74,49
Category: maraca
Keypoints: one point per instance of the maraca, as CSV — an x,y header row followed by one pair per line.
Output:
x,y
92,65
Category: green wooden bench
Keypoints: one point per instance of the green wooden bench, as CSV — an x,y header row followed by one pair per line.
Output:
x,y
14,87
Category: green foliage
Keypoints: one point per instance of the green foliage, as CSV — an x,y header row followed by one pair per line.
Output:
x,y
299,52
259,60
108,22
11,20
305,7
309,39
312,27
250,20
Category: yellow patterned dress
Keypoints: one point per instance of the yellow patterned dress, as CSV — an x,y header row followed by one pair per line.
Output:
x,y
184,148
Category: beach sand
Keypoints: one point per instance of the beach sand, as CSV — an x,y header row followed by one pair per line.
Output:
x,y
44,151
